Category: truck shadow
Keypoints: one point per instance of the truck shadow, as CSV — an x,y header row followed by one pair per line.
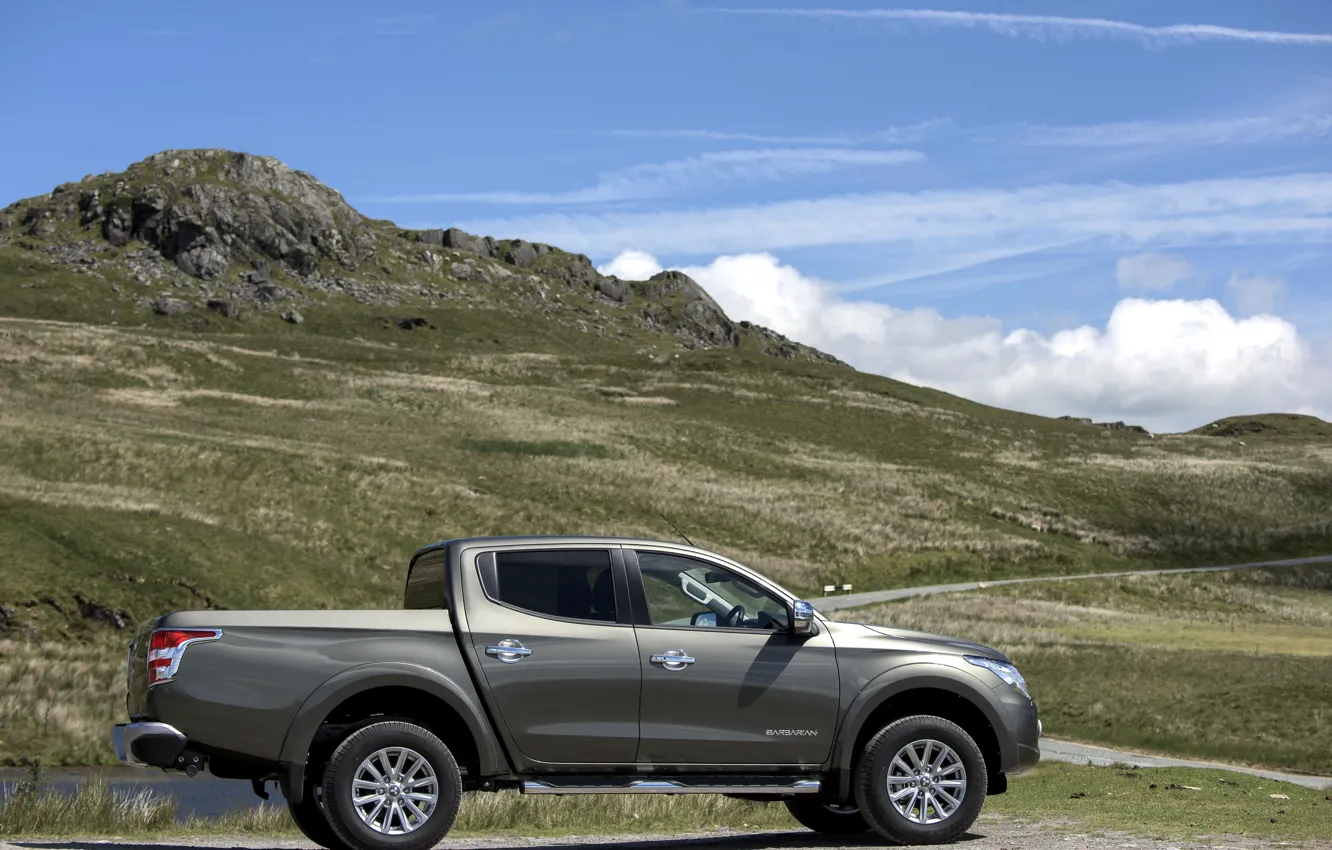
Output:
x,y
726,841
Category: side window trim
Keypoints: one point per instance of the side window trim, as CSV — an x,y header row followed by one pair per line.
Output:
x,y
488,574
642,618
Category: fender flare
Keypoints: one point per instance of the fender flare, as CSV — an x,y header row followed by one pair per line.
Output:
x,y
364,677
907,678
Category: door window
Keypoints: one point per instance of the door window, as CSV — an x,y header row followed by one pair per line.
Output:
x,y
684,591
571,584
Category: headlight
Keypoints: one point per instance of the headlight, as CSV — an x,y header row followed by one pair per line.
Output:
x,y
1007,672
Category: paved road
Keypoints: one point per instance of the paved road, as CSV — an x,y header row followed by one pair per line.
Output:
x,y
1056,750
852,600
989,833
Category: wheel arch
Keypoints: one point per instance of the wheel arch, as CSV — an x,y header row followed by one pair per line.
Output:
x,y
422,694
903,692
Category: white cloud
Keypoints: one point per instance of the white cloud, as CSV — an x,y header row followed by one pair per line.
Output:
x,y
1051,27
708,170
631,265
1152,271
1257,295
1165,364
1224,131
952,222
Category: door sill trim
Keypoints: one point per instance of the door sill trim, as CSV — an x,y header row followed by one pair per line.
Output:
x,y
675,785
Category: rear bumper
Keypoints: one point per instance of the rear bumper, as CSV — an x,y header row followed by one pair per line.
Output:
x,y
147,744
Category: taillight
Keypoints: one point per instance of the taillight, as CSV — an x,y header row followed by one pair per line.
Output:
x,y
166,647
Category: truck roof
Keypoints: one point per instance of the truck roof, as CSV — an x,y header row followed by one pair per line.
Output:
x,y
522,539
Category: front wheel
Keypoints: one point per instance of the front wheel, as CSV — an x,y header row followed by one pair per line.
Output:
x,y
391,786
921,780
828,818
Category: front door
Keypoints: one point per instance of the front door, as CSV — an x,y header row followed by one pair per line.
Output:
x,y
723,683
554,641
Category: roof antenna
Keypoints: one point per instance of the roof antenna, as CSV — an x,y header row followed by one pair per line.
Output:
x,y
677,531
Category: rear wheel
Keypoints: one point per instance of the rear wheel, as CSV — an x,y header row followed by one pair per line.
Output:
x,y
921,780
309,817
828,818
391,786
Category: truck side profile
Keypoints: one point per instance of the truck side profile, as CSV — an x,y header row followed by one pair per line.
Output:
x,y
573,665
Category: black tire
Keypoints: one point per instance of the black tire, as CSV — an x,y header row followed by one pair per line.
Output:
x,y
309,817
872,775
350,758
827,818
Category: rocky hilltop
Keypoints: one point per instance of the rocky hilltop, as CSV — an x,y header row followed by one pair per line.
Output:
x,y
215,235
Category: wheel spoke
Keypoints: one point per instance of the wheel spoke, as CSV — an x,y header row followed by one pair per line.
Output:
x,y
913,755
944,753
416,765
897,795
925,756
901,765
948,799
379,806
364,783
416,810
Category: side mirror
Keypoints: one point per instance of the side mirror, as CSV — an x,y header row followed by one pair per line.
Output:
x,y
802,618
703,618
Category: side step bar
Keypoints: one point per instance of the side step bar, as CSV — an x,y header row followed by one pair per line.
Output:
x,y
773,785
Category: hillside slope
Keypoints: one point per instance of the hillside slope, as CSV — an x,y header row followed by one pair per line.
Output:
x,y
220,386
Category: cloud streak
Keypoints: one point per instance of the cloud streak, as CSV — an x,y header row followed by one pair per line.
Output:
x,y
1050,27
1289,207
705,171
889,135
1228,131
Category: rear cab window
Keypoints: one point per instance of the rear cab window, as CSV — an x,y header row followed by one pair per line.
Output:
x,y
570,584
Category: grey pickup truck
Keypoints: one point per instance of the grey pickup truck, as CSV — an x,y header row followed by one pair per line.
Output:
x,y
578,665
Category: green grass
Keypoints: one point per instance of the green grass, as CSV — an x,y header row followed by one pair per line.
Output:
x,y
153,468
1227,666
1145,802
1151,803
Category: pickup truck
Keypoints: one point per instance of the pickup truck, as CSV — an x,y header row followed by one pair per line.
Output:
x,y
578,665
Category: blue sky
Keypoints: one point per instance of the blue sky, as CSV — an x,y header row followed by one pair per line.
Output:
x,y
989,181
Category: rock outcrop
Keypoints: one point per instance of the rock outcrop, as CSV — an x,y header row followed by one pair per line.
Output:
x,y
223,236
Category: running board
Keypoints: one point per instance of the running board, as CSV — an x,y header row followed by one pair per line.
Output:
x,y
615,785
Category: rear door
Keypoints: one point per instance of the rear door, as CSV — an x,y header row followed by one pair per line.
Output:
x,y
722,681
552,636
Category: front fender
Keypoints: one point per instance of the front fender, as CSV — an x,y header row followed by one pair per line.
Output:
x,y
909,677
364,677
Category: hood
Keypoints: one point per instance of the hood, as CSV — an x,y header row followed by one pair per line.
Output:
x,y
870,637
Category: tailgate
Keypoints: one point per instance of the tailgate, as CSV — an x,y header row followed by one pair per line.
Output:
x,y
136,671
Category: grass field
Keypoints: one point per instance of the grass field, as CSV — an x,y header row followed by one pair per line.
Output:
x,y
1167,803
1228,666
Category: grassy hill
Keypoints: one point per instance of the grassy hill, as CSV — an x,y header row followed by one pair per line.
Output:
x,y
222,386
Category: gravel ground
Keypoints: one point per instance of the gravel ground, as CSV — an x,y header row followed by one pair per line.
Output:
x,y
988,834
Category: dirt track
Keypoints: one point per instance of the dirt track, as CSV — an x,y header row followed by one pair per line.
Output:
x,y
988,834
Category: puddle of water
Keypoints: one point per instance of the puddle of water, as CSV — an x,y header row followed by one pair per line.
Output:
x,y
203,795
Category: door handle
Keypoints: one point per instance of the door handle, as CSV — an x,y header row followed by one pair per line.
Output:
x,y
672,659
509,651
